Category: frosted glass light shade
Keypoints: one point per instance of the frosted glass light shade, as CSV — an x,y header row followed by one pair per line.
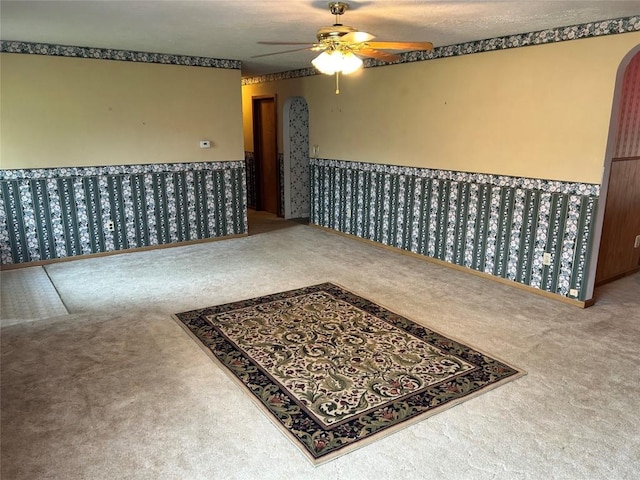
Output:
x,y
336,61
350,63
325,64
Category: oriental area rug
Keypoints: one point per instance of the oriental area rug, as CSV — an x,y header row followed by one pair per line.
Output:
x,y
335,371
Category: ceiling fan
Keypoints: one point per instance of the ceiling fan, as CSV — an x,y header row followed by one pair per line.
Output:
x,y
342,46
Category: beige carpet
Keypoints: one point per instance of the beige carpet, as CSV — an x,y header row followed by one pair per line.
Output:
x,y
116,389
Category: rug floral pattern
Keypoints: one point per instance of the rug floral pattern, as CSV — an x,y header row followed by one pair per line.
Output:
x,y
334,368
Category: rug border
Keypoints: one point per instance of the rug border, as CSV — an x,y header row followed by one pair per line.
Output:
x,y
376,436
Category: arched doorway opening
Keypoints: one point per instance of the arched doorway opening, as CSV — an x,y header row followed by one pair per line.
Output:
x,y
617,242
295,135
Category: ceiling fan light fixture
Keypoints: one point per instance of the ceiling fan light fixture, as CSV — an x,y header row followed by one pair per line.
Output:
x,y
338,42
336,61
350,63
324,63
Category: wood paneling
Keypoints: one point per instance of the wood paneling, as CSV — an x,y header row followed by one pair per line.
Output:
x,y
617,255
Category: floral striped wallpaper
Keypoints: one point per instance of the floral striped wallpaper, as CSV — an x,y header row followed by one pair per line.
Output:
x,y
281,184
63,212
298,157
250,168
250,165
628,139
493,224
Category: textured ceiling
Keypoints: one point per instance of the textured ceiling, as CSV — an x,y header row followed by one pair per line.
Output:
x,y
231,28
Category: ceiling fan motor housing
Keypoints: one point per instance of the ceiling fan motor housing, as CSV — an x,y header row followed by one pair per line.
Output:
x,y
332,35
334,32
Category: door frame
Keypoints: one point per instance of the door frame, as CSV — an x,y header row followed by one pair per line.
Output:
x,y
257,134
606,172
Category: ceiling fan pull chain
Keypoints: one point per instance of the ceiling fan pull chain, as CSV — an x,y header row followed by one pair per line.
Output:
x,y
337,83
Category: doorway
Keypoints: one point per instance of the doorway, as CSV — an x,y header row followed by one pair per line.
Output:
x,y
619,249
265,146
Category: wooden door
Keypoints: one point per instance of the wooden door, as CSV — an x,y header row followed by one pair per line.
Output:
x,y
618,255
266,154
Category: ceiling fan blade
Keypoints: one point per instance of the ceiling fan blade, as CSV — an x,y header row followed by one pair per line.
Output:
x,y
401,45
285,43
357,37
378,55
285,51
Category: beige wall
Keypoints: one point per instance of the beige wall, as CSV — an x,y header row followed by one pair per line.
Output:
x,y
540,111
283,89
59,111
